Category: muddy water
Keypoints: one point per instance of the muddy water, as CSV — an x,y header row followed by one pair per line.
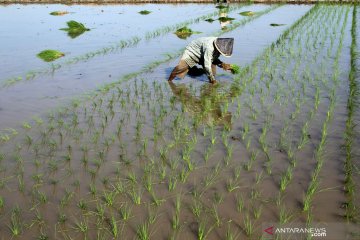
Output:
x,y
159,141
24,100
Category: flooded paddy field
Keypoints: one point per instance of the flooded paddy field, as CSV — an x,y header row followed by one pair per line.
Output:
x,y
98,145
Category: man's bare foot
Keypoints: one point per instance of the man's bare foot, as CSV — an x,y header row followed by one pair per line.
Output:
x,y
213,82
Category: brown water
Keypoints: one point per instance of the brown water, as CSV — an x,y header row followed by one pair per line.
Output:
x,y
221,150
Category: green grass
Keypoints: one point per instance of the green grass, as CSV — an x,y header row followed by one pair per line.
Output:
x,y
50,55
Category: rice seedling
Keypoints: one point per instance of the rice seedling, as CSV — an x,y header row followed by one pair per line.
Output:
x,y
185,32
235,69
115,231
144,12
50,55
196,208
257,211
2,202
82,205
239,203
16,225
215,214
285,215
249,225
136,196
230,235
143,231
125,212
109,197
59,13
225,19
172,183
75,29
222,6
202,231
82,226
276,24
232,185
247,13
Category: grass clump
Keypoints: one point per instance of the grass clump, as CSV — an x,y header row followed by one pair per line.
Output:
x,y
50,55
185,32
235,69
247,13
59,13
75,29
145,12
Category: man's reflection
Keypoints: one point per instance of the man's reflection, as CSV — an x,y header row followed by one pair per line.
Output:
x,y
206,107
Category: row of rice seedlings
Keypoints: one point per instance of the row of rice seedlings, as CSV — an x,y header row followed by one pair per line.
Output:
x,y
286,180
314,184
352,104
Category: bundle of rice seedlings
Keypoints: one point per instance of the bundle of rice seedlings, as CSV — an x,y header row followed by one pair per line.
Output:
x,y
50,55
75,28
59,13
235,69
185,32
145,12
247,13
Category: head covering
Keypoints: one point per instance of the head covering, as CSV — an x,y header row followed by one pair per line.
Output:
x,y
224,46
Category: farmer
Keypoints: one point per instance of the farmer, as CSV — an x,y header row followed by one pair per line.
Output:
x,y
206,52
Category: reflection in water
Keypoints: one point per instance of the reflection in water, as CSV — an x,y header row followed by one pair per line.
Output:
x,y
210,107
223,17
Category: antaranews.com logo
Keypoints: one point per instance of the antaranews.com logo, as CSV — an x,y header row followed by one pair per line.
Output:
x,y
315,231
309,231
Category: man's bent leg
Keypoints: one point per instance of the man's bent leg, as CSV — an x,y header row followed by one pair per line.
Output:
x,y
179,71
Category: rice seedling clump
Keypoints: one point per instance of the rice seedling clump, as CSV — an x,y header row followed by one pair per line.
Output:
x,y
75,28
225,19
235,69
59,13
276,24
247,13
145,12
185,32
50,55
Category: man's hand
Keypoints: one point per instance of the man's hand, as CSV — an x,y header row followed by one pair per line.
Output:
x,y
226,66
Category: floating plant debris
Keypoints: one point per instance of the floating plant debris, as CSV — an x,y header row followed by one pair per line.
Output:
x,y
210,20
75,28
185,32
225,19
247,13
145,12
50,55
276,24
59,13
235,69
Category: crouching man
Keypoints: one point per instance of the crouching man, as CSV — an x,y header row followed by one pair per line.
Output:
x,y
204,51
